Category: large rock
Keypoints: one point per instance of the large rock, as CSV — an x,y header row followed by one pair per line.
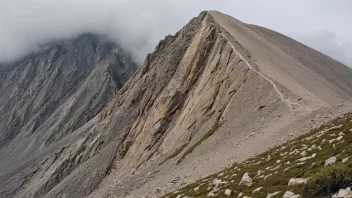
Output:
x,y
228,192
295,181
344,193
246,180
330,161
290,194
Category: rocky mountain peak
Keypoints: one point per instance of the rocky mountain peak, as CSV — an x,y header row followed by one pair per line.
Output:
x,y
217,92
48,95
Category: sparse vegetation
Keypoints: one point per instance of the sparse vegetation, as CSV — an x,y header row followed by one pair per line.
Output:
x,y
206,136
174,154
328,180
302,157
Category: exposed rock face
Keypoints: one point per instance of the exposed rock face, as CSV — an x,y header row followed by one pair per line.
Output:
x,y
45,97
204,76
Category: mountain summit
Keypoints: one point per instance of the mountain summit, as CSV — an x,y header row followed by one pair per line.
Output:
x,y
217,92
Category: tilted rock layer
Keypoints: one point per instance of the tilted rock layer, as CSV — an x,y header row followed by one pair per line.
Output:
x,y
252,86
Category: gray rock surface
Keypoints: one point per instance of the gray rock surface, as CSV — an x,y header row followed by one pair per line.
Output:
x,y
46,97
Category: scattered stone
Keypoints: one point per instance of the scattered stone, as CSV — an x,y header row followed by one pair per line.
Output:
x,y
295,181
341,134
216,182
257,190
331,141
296,196
210,194
268,176
246,180
339,138
196,188
278,161
240,194
304,153
272,194
246,197
345,160
344,193
259,172
228,192
303,159
330,161
288,194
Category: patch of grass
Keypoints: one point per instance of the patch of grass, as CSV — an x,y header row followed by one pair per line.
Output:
x,y
174,154
278,165
328,180
206,136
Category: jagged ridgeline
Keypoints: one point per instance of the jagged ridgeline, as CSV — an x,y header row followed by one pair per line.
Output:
x,y
217,92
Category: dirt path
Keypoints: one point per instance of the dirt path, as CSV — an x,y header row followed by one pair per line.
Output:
x,y
292,105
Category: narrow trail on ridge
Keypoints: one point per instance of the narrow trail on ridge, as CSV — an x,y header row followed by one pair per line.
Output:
x,y
292,105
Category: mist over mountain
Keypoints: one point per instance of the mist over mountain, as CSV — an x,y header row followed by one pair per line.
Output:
x,y
138,25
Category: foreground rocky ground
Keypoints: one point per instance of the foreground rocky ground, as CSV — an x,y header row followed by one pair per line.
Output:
x,y
317,164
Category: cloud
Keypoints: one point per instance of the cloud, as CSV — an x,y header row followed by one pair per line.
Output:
x,y
328,43
138,25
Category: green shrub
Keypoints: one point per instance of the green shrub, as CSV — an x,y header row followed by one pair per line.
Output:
x,y
177,151
206,136
328,180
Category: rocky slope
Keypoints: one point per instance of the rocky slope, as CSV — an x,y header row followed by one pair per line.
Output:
x,y
283,171
47,96
217,92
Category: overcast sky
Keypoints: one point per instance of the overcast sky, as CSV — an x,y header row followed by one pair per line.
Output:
x,y
139,24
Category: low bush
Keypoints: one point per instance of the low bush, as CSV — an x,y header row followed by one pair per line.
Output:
x,y
328,180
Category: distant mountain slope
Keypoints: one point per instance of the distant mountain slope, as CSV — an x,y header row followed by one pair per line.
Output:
x,y
200,102
46,96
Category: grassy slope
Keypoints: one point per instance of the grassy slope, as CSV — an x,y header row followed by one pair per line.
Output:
x,y
280,164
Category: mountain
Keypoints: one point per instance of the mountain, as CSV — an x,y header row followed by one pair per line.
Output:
x,y
47,96
217,92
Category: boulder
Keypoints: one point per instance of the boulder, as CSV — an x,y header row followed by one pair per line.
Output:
x,y
330,161
216,182
228,192
304,153
246,180
290,194
344,193
295,181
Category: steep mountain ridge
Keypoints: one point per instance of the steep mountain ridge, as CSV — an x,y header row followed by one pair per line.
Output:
x,y
48,95
203,77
